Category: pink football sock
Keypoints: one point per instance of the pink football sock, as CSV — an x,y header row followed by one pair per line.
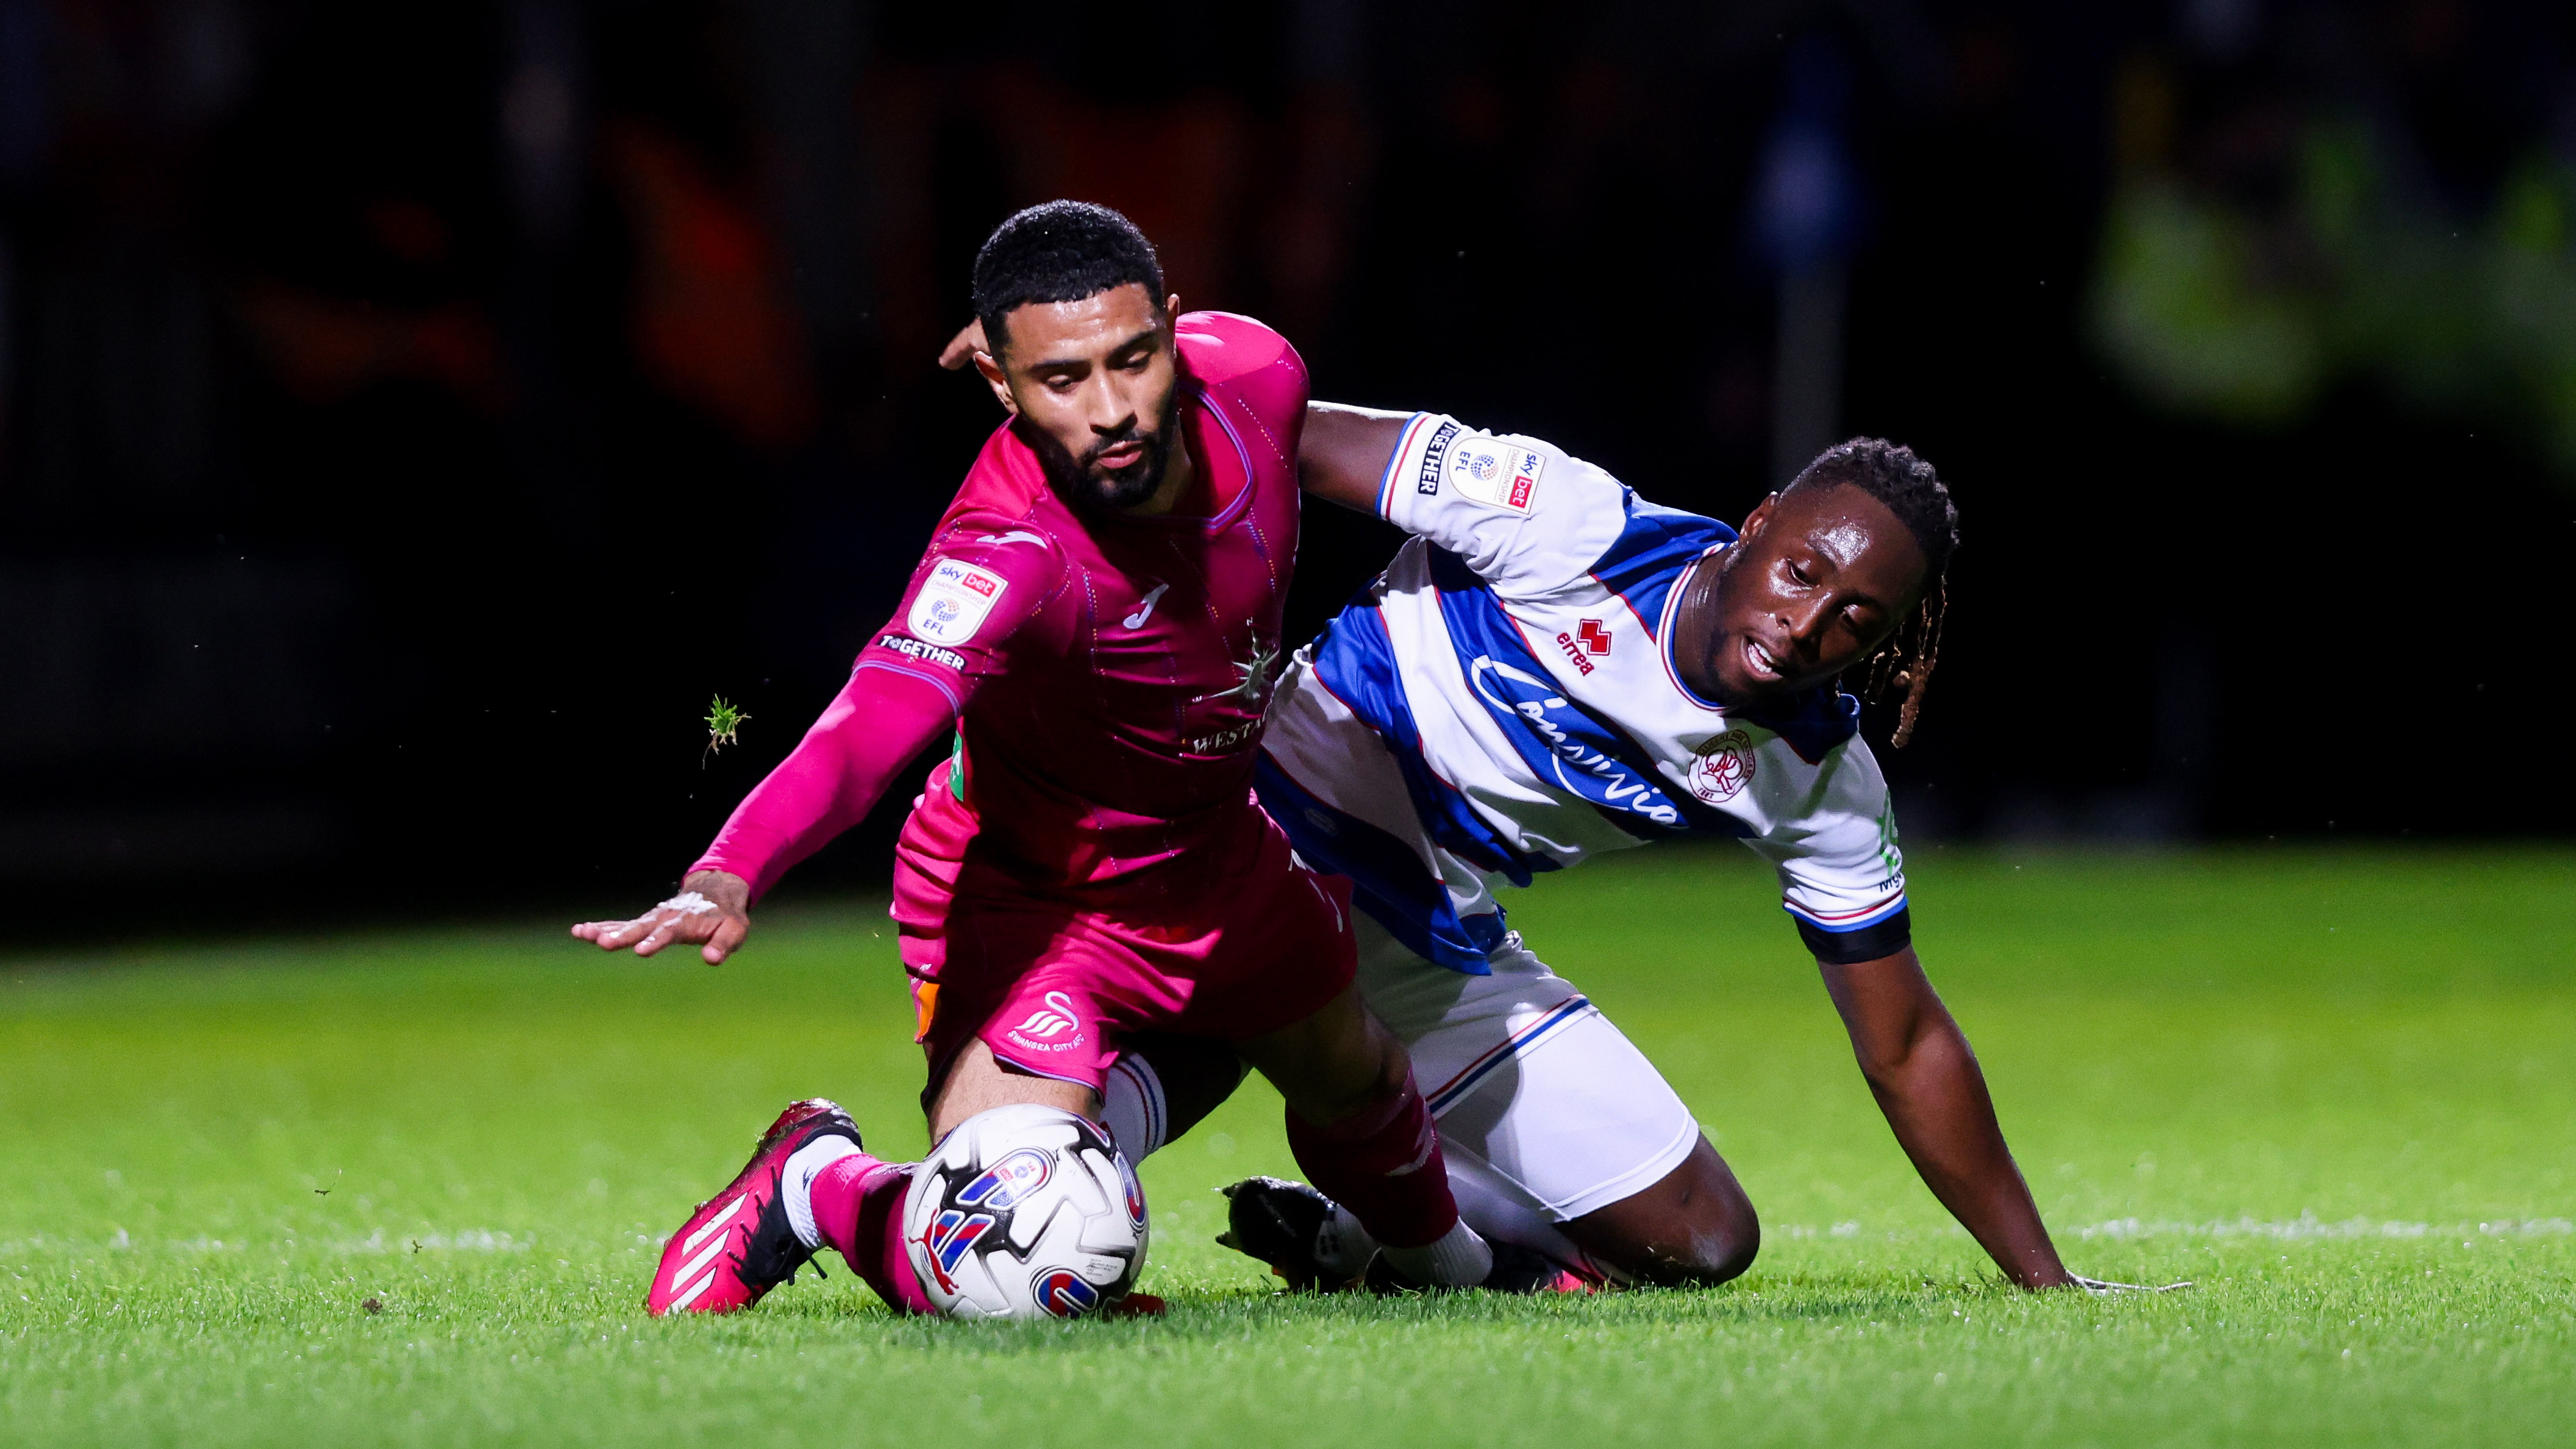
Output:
x,y
1385,1166
858,1208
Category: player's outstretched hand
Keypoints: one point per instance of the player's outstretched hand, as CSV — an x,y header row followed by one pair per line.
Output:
x,y
961,349
2100,1288
712,909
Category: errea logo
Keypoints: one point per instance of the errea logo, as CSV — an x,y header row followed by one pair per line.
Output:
x,y
1583,643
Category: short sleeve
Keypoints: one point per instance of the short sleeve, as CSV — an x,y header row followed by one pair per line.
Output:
x,y
979,585
1523,514
1842,876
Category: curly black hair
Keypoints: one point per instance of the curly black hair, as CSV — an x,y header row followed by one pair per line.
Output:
x,y
1060,251
1897,477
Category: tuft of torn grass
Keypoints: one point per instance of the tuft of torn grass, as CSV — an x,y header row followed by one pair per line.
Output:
x,y
722,720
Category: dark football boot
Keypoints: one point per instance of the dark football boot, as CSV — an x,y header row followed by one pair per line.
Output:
x,y
1287,1225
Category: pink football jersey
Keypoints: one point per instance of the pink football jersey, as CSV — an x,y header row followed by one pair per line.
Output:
x,y
1108,673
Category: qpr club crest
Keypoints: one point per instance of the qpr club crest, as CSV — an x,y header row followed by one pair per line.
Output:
x,y
1722,767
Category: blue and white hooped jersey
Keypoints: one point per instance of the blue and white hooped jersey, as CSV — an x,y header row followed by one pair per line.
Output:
x,y
1502,701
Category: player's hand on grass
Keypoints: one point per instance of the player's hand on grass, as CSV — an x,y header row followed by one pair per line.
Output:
x,y
713,910
2101,1288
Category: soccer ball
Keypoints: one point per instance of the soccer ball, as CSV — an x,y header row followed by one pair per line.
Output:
x,y
1025,1212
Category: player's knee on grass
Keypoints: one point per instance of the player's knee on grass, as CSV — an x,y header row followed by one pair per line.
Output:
x,y
1694,1227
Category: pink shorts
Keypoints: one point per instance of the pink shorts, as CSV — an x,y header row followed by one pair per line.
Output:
x,y
1054,986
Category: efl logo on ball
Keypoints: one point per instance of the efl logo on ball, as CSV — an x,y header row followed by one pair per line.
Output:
x,y
1009,1182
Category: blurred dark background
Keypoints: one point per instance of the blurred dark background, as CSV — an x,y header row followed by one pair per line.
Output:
x,y
411,414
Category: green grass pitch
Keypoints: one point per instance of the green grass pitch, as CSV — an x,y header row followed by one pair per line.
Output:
x,y
2337,1089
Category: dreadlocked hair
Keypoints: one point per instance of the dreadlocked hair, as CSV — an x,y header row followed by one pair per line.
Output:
x,y
1907,486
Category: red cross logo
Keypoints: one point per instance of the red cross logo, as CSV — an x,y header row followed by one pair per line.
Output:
x,y
1594,637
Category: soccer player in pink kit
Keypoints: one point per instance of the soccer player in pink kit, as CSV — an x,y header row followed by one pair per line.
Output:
x,y
1098,616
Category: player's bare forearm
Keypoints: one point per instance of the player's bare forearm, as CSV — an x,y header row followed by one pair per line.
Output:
x,y
1344,452
1936,1101
1927,1082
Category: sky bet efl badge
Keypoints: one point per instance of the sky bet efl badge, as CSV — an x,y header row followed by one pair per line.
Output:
x,y
1494,472
953,601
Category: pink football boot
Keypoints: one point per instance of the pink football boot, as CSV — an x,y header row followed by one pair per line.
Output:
x,y
737,1245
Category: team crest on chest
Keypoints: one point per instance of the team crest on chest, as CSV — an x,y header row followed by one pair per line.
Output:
x,y
1255,669
1251,689
1722,767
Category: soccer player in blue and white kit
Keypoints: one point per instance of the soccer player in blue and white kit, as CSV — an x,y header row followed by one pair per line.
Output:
x,y
1553,667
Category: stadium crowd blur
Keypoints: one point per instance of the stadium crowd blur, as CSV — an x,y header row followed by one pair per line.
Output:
x,y
412,414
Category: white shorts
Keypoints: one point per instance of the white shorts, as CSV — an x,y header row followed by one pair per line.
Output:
x,y
1546,1110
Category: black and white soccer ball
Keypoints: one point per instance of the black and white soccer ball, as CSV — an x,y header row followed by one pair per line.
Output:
x,y
1025,1212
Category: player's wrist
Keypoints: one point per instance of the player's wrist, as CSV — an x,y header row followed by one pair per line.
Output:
x,y
2048,1274
725,887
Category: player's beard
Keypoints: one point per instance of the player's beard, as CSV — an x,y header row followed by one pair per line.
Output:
x,y
1082,483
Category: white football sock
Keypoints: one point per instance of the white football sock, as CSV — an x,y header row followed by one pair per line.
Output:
x,y
1131,1105
796,1183
1342,1245
1460,1259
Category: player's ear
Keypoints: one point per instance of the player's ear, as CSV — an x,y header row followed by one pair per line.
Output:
x,y
998,380
1760,515
1171,308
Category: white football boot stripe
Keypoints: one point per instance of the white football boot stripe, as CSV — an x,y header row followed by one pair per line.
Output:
x,y
704,1262
691,1296
713,1223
